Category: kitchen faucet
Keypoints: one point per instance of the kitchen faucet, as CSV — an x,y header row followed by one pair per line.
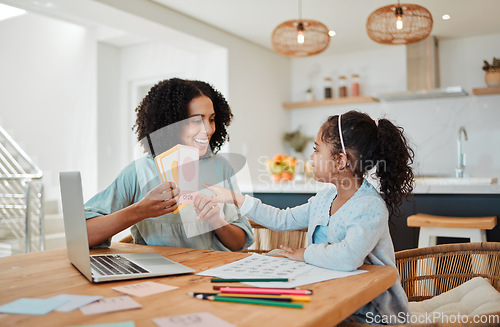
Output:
x,y
459,171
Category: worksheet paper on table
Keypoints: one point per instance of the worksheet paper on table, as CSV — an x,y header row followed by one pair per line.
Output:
x,y
261,266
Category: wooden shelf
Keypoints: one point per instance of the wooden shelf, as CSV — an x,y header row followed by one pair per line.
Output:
x,y
329,102
486,90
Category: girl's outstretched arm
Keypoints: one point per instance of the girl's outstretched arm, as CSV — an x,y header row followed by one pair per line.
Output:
x,y
265,215
223,195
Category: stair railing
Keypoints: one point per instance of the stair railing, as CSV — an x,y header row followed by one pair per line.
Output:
x,y
21,198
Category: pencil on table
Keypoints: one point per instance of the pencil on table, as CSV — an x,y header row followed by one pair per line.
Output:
x,y
240,280
283,298
250,301
294,298
254,290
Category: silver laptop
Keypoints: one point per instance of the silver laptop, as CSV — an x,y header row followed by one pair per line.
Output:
x,y
103,268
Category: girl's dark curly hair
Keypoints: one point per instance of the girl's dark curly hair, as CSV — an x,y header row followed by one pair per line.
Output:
x,y
167,103
368,145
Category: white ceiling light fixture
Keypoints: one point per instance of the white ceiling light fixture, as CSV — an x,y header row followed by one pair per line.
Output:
x,y
7,12
300,37
446,17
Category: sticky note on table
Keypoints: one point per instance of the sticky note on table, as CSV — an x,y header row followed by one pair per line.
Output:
x,y
199,319
75,301
144,288
29,306
110,304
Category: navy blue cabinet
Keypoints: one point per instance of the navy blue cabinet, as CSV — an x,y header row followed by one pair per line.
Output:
x,y
404,237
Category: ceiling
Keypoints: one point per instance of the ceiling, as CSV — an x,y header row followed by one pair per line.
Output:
x,y
255,20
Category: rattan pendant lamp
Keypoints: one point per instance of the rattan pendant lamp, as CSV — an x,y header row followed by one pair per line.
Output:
x,y
399,24
300,37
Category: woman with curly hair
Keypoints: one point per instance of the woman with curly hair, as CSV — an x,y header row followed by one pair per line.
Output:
x,y
348,223
175,111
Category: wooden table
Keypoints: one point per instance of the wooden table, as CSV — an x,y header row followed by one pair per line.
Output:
x,y
49,273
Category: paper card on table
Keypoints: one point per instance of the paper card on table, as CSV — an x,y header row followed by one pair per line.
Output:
x,y
199,319
110,304
144,288
258,265
113,324
29,306
75,301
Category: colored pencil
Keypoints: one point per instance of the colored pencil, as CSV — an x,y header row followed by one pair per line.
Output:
x,y
252,290
239,280
241,296
292,298
250,301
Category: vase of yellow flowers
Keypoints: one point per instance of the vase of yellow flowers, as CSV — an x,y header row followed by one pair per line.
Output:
x,y
281,167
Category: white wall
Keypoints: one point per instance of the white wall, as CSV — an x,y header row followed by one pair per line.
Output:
x,y
48,102
432,125
461,59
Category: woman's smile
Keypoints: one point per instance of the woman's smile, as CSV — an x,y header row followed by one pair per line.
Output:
x,y
200,126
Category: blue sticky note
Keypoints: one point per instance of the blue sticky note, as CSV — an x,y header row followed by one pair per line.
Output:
x,y
116,324
29,306
75,301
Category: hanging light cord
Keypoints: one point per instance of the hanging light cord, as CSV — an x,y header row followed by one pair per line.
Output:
x,y
399,10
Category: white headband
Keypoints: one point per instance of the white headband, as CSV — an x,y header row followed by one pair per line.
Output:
x,y
341,138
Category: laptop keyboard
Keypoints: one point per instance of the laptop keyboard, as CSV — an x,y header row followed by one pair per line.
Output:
x,y
114,265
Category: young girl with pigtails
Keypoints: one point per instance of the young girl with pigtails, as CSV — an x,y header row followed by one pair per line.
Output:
x,y
348,223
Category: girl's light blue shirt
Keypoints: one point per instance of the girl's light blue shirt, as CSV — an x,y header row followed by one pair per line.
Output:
x,y
181,229
357,234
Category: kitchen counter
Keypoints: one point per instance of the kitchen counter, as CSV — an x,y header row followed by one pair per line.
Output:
x,y
312,187
437,196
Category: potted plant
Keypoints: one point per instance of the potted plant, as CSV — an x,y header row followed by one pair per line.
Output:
x,y
309,94
492,76
297,140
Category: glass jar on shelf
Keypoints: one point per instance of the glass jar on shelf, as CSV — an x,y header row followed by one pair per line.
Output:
x,y
328,88
342,86
355,85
